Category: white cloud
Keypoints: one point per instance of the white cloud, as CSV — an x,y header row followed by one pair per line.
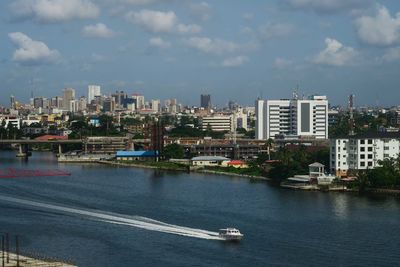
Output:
x,y
32,52
273,30
154,21
51,11
328,6
392,54
190,28
201,10
159,43
248,16
98,30
335,54
281,63
381,29
234,61
161,22
212,46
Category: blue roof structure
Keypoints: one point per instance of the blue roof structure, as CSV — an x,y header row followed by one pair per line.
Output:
x,y
138,154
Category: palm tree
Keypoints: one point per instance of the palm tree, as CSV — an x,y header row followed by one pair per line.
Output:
x,y
269,144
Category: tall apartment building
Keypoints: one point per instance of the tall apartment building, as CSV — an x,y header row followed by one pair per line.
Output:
x,y
295,117
68,96
93,91
205,101
217,123
362,152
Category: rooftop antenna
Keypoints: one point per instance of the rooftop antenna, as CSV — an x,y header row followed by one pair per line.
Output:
x,y
351,107
295,93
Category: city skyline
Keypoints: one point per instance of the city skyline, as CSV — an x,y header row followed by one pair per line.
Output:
x,y
182,49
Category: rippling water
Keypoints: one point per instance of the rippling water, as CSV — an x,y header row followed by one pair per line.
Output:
x,y
105,216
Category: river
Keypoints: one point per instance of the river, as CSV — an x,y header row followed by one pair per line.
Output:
x,y
110,216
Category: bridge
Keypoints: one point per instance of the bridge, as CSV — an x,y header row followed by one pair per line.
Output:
x,y
109,144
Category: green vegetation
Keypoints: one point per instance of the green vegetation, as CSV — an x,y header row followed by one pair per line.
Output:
x,y
295,161
174,151
164,165
387,176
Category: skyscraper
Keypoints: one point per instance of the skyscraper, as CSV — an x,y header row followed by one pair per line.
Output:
x,y
68,96
93,91
205,101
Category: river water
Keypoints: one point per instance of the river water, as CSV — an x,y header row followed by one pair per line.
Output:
x,y
107,216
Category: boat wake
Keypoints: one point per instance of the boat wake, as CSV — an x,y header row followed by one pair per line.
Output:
x,y
119,219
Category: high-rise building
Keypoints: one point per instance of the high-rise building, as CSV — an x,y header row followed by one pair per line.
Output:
x,y
109,104
295,117
260,120
139,101
205,101
93,91
68,96
12,102
119,98
155,105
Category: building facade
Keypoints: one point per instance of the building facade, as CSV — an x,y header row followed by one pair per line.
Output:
x,y
362,152
93,91
217,123
303,118
205,101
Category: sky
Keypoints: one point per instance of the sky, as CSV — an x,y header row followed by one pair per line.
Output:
x,y
232,49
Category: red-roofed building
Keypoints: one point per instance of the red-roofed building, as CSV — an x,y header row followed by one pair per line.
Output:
x,y
237,164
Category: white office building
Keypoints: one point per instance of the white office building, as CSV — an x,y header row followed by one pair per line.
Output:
x,y
362,152
217,123
93,91
303,118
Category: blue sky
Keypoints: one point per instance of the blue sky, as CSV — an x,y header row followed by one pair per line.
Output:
x,y
233,49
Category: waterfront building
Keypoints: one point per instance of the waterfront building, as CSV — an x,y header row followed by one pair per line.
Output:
x,y
362,152
302,118
209,161
93,91
205,101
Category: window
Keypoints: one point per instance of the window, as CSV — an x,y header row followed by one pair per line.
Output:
x,y
362,156
369,156
369,163
362,149
362,164
362,142
370,149
385,155
386,148
370,141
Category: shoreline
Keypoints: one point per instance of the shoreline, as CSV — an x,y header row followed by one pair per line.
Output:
x,y
182,169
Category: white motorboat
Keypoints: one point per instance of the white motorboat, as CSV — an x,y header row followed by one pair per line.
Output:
x,y
230,234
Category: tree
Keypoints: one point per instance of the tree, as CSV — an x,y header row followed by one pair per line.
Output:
x,y
174,151
269,144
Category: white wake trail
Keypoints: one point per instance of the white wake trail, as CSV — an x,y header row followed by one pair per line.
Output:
x,y
135,221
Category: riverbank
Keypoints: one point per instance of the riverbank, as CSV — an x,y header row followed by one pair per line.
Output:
x,y
172,166
14,260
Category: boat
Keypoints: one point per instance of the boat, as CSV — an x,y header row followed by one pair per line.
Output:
x,y
230,234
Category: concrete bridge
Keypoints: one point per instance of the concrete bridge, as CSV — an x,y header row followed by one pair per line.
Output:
x,y
100,143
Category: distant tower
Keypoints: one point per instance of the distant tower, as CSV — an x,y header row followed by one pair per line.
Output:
x,y
68,96
205,101
12,102
93,91
351,121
